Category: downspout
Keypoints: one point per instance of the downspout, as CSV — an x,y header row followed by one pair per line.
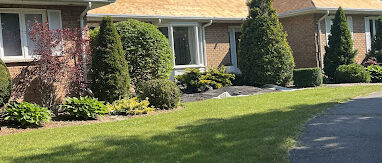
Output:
x,y
321,56
82,25
204,42
159,22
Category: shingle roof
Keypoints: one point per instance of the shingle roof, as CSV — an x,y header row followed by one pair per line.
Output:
x,y
177,8
221,8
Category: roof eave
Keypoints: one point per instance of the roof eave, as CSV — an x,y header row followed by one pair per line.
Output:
x,y
98,17
331,10
96,3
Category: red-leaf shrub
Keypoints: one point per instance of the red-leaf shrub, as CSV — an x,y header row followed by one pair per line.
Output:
x,y
60,57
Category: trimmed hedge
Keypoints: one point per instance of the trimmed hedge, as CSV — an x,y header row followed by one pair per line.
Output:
x,y
352,73
161,93
5,84
307,77
111,79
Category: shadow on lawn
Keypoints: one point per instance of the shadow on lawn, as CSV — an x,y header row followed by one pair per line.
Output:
x,y
263,137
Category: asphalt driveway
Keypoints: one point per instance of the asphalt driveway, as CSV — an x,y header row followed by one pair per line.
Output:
x,y
349,132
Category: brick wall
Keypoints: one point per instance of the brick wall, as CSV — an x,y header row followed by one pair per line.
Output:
x,y
301,32
217,45
359,36
70,19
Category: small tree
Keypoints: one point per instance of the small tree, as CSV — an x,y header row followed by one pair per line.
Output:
x,y
5,84
376,46
264,54
111,79
340,47
58,64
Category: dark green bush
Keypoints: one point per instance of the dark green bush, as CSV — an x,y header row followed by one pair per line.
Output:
x,y
27,114
307,77
84,107
376,46
195,81
146,49
375,73
340,48
111,79
352,73
161,93
5,84
264,54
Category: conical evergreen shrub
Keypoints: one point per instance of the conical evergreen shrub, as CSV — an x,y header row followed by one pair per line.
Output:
x,y
376,46
111,79
5,84
264,53
340,48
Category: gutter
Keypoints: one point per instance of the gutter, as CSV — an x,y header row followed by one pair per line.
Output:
x,y
82,25
204,41
321,56
95,17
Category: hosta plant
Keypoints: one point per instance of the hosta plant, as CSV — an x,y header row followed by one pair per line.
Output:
x,y
84,107
27,114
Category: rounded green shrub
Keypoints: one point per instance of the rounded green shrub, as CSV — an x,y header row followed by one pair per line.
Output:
x,y
146,49
161,93
340,47
5,84
352,73
110,78
265,56
307,77
84,107
27,114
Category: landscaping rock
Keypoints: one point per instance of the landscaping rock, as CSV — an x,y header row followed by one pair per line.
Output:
x,y
223,95
232,90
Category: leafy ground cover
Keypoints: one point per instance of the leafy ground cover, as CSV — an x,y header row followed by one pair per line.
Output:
x,y
259,128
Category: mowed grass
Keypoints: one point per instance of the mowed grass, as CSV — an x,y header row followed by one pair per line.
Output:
x,y
258,128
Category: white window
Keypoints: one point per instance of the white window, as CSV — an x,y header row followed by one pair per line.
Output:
x,y
370,31
15,42
329,23
234,38
186,43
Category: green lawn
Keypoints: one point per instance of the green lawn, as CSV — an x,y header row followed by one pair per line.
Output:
x,y
247,129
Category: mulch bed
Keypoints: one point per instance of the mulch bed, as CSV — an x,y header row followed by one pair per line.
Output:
x,y
232,90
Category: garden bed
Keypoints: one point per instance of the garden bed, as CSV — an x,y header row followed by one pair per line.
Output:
x,y
232,90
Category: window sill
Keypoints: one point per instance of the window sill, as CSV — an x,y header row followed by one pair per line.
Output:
x,y
180,67
18,60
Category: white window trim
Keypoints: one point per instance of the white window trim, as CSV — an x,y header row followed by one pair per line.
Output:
x,y
200,63
328,26
367,32
25,55
232,42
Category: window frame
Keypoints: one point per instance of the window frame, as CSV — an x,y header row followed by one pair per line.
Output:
x,y
328,26
200,63
232,45
23,32
368,32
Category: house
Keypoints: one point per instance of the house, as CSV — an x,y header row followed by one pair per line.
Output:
x,y
205,33
15,44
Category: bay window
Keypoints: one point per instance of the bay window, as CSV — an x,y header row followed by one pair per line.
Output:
x,y
370,30
15,42
185,43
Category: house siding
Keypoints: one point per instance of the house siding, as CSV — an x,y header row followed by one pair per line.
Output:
x,y
301,32
70,16
218,45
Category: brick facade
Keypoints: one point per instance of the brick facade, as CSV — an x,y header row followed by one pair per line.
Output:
x,y
218,45
303,38
70,16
